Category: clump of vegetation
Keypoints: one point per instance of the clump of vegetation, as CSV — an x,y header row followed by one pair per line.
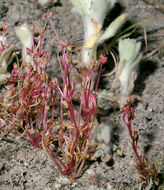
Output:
x,y
27,105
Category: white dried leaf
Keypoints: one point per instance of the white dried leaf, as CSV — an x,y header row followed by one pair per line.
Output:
x,y
129,57
24,35
4,58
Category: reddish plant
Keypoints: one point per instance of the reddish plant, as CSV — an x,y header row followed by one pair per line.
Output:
x,y
27,106
23,99
147,171
76,124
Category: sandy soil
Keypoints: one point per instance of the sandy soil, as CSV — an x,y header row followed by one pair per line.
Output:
x,y
24,167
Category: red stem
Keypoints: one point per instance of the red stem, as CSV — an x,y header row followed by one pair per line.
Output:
x,y
54,30
98,79
133,140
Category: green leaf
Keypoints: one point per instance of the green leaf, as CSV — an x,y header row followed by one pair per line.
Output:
x,y
112,28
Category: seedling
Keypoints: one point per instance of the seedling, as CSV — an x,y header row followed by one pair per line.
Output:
x,y
148,172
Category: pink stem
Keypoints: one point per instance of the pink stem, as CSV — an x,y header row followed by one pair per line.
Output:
x,y
98,79
54,30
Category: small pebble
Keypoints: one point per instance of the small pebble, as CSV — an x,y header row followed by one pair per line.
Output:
x,y
119,152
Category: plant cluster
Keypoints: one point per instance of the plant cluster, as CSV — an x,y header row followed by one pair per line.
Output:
x,y
27,106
